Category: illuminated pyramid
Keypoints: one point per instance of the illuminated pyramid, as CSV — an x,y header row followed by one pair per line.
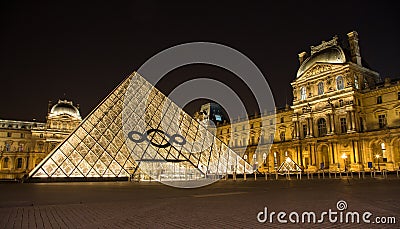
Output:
x,y
138,129
289,166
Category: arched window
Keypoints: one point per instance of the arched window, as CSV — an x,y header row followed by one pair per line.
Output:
x,y
321,127
320,88
5,162
303,94
339,83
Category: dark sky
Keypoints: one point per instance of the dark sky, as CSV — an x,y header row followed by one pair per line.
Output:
x,y
85,48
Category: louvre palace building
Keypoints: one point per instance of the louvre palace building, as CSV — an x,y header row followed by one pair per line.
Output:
x,y
24,144
344,117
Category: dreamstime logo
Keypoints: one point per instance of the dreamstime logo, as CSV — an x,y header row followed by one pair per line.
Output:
x,y
330,216
154,69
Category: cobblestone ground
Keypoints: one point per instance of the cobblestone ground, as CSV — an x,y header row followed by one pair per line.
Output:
x,y
225,204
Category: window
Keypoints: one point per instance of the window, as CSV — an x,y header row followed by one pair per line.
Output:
x,y
356,84
321,127
22,135
382,121
9,134
341,103
303,94
339,83
251,126
361,125
304,130
19,163
282,136
20,148
271,138
398,95
320,88
343,126
271,122
5,162
41,136
282,119
379,99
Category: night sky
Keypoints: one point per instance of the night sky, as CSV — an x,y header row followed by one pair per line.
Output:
x,y
80,50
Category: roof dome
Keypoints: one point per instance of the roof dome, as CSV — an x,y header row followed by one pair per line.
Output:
x,y
64,107
333,54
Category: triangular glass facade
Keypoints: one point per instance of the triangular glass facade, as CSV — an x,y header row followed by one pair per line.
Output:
x,y
289,166
138,129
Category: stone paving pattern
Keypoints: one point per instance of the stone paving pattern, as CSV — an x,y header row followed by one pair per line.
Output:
x,y
225,204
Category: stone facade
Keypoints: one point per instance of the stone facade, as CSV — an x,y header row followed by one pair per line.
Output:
x,y
343,117
24,144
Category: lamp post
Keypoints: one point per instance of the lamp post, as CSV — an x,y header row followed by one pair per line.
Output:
x,y
255,165
265,163
377,157
244,166
344,157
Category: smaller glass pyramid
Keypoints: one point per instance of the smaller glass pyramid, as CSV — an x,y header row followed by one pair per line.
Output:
x,y
289,166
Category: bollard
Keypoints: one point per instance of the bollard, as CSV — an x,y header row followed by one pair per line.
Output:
x,y
318,175
323,175
255,176
335,174
234,176
340,174
266,176
276,175
312,175
308,175
329,174
397,173
244,176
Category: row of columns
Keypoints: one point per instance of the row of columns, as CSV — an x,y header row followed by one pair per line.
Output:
x,y
330,124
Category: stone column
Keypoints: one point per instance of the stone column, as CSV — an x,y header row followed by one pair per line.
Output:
x,y
328,121
295,130
353,118
348,120
333,123
308,127
311,127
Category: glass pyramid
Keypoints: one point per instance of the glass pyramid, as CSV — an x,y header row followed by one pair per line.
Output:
x,y
289,166
138,130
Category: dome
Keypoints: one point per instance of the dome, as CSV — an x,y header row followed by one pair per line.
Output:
x,y
333,54
64,107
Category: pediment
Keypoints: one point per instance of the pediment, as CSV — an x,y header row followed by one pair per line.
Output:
x,y
318,68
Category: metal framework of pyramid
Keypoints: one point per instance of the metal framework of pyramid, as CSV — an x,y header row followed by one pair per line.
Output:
x,y
137,128
289,166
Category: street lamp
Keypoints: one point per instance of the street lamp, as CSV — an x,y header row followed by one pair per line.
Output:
x,y
377,157
244,166
344,157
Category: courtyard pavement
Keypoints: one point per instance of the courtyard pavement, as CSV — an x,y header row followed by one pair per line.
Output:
x,y
225,204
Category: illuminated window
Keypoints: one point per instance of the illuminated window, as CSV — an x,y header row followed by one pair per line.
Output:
x,y
339,83
320,88
321,127
343,125
9,134
303,93
379,99
341,103
382,121
304,130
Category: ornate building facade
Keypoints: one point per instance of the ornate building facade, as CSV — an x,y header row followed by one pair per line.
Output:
x,y
24,144
343,117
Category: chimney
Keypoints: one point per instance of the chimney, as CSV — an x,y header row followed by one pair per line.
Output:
x,y
354,48
302,57
387,81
